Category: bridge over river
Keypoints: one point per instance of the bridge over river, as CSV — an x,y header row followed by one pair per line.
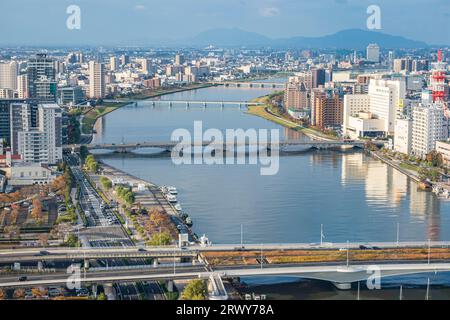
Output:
x,y
283,146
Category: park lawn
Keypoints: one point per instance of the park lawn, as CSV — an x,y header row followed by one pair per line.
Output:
x,y
408,166
91,116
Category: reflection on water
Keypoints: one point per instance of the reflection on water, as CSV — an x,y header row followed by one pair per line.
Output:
x,y
387,187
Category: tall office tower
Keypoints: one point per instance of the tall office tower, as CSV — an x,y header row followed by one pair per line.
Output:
x,y
80,57
5,116
22,86
20,120
427,128
41,78
41,144
404,64
386,97
8,75
97,86
317,77
179,59
113,63
373,53
124,59
295,96
327,108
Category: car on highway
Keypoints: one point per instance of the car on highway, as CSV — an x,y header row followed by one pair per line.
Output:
x,y
23,278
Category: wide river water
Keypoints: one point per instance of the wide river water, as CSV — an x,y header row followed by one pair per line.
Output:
x,y
354,196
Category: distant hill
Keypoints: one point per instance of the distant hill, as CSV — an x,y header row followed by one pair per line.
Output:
x,y
352,38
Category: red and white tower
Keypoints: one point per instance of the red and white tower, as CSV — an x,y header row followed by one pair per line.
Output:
x,y
438,86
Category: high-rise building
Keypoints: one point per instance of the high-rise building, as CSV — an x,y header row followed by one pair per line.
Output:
x,y
41,78
20,120
403,136
97,86
179,59
326,108
427,128
373,53
385,98
113,63
124,59
41,144
22,86
145,65
5,116
295,96
8,75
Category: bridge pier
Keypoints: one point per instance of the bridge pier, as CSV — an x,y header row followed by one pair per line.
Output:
x,y
170,104
204,105
153,104
94,289
187,105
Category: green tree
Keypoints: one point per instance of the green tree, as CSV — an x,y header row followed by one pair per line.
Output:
x,y
160,239
106,183
195,290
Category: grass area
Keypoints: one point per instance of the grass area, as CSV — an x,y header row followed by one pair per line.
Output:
x,y
93,114
408,166
261,111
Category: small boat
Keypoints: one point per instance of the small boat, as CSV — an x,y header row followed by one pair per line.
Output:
x,y
177,207
171,198
189,222
172,190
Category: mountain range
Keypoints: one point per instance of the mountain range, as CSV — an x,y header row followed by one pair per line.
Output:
x,y
351,38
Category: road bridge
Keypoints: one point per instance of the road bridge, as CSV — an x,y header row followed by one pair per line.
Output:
x,y
282,146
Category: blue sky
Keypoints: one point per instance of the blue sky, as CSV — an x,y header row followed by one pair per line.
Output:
x,y
117,22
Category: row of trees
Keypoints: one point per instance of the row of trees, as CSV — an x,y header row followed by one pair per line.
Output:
x,y
91,163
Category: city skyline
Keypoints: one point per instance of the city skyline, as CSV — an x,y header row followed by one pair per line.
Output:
x,y
140,21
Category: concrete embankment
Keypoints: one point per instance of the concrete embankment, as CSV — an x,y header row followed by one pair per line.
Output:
x,y
395,166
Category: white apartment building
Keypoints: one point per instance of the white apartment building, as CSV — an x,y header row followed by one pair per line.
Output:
x,y
97,86
353,105
8,75
385,97
427,128
403,136
42,144
113,63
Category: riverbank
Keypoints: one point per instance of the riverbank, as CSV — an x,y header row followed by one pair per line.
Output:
x,y
151,214
264,111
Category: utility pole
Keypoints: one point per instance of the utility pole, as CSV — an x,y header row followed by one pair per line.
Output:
x,y
429,250
261,258
347,254
321,235
242,235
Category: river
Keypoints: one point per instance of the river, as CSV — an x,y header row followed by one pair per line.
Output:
x,y
354,196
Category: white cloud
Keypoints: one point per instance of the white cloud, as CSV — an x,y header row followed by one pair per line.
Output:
x,y
269,11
